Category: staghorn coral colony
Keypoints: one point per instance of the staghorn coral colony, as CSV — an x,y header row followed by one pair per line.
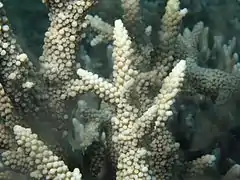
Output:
x,y
134,96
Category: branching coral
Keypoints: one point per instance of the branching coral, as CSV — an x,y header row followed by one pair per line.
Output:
x,y
131,133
